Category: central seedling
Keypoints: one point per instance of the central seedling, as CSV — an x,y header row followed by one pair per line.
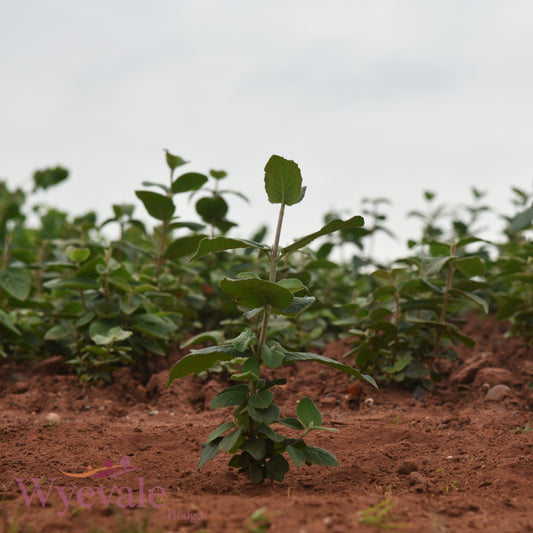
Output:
x,y
258,449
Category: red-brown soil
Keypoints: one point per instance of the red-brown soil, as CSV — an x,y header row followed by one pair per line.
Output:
x,y
450,461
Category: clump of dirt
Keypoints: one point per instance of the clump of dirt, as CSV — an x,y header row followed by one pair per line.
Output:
x,y
123,456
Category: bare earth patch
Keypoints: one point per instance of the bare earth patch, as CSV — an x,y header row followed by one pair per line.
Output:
x,y
450,461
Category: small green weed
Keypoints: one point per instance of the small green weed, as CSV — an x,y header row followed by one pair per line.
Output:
x,y
519,429
258,522
378,516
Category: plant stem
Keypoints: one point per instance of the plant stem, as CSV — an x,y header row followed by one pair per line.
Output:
x,y
164,233
445,297
162,245
274,258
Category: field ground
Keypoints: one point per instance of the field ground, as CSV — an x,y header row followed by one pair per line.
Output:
x,y
448,461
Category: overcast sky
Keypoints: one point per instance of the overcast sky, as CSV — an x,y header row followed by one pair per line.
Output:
x,y
370,97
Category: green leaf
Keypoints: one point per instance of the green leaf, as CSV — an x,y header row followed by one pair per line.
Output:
x,y
256,475
56,333
43,179
123,210
297,456
271,357
174,161
521,221
77,255
264,416
110,336
330,227
16,281
308,413
219,244
257,448
262,399
283,181
219,431
159,206
402,360
85,319
183,246
119,282
153,325
212,208
7,322
382,274
250,370
470,285
244,340
201,360
298,305
218,174
253,293
469,266
379,313
214,337
231,442
191,181
292,284
416,370
480,302
274,382
270,433
209,451
231,396
319,456
193,226
291,357
276,468
164,188
291,422
433,265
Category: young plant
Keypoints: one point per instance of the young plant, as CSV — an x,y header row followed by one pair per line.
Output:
x,y
411,319
257,449
512,281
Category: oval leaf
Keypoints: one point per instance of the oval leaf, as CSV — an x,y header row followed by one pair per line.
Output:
x,y
254,293
202,360
330,227
261,400
319,456
191,181
291,357
283,181
229,397
219,244
308,413
16,281
159,206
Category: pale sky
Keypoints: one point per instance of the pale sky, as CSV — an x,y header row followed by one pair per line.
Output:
x,y
370,97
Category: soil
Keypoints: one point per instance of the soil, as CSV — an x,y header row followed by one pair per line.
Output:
x,y
451,460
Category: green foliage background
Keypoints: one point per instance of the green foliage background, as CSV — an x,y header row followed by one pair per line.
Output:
x,y
66,289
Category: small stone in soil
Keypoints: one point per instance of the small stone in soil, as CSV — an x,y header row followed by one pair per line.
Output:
x,y
20,387
330,401
497,393
52,418
152,413
407,467
415,478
